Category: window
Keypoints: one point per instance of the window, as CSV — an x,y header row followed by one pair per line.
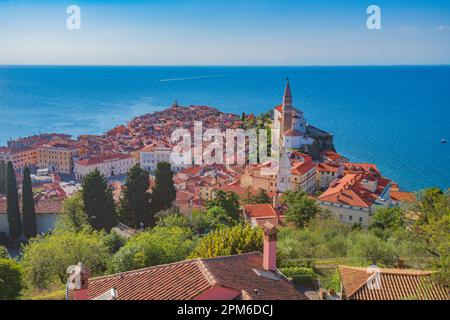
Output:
x,y
350,218
360,219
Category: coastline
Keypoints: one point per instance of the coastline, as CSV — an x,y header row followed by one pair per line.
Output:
x,y
399,132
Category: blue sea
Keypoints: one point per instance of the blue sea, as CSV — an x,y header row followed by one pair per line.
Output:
x,y
394,117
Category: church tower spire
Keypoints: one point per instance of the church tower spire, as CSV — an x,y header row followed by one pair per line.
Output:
x,y
287,98
287,108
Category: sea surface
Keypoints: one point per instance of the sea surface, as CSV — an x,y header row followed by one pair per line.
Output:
x,y
394,117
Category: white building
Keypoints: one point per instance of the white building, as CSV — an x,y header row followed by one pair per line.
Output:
x,y
152,154
108,165
284,173
290,123
355,197
47,212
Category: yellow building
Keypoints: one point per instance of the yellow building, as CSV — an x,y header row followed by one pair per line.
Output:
x,y
26,157
259,177
57,158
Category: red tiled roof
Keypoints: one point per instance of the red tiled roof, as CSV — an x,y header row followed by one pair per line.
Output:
x,y
302,168
348,190
360,167
395,284
403,196
333,156
192,170
156,145
189,279
105,158
49,206
259,210
327,167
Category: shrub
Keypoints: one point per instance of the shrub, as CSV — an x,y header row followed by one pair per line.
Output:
x,y
158,246
10,279
230,240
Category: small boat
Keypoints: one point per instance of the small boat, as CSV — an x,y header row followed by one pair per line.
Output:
x,y
443,140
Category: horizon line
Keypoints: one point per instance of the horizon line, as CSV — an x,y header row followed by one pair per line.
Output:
x,y
227,65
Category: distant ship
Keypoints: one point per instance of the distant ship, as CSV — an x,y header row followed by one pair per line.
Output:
x,y
443,140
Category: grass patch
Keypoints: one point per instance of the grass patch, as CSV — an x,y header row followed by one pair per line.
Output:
x,y
56,291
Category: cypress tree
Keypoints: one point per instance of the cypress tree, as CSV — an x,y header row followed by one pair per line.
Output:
x,y
12,204
28,208
98,201
164,192
2,177
134,207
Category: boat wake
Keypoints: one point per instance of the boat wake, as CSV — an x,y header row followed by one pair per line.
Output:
x,y
189,78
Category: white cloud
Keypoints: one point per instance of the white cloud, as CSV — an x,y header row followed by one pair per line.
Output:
x,y
443,28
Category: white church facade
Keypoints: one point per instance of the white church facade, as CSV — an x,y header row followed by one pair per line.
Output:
x,y
290,123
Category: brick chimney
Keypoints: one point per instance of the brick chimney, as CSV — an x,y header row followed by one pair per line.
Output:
x,y
270,247
78,281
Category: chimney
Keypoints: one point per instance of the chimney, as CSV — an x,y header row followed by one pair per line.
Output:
x,y
78,281
270,247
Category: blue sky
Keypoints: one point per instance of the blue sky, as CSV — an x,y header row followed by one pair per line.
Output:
x,y
228,32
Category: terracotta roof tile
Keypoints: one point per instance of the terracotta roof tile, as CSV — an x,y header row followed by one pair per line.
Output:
x,y
189,279
45,206
395,284
104,158
259,210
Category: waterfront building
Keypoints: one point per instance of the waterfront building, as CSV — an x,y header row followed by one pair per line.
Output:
x,y
329,156
290,123
57,157
355,197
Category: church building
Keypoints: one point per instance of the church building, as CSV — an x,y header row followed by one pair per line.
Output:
x,y
290,123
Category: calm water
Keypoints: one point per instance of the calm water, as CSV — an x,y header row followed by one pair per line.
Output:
x,y
392,116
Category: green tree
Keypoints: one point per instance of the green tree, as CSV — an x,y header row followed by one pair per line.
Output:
x,y
72,218
230,240
114,241
158,246
366,248
10,279
260,198
200,222
164,192
28,208
4,253
13,211
134,209
98,201
229,201
433,227
174,220
46,258
2,177
301,208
